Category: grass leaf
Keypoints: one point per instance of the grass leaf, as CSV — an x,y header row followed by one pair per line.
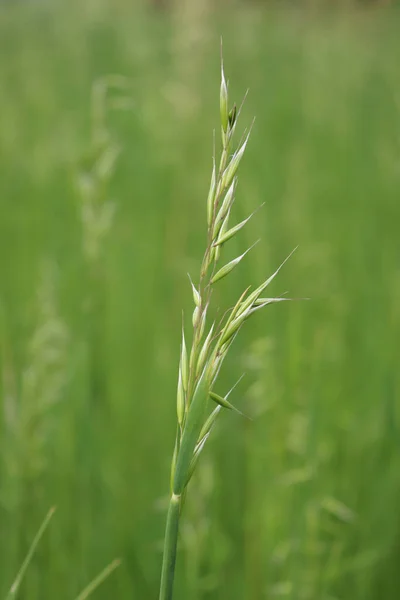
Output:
x,y
17,582
94,584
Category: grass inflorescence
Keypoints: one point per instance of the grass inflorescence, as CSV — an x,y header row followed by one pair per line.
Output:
x,y
198,403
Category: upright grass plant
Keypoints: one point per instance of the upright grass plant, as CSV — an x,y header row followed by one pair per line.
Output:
x,y
198,403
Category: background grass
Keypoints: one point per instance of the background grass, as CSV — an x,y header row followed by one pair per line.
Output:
x,y
302,502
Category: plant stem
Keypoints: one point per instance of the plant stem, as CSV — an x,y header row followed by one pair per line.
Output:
x,y
170,544
15,586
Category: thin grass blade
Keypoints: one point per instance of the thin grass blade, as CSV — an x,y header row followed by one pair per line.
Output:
x,y
17,582
94,584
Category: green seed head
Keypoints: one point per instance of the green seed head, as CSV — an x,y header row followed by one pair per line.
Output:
x,y
180,400
195,316
184,362
224,236
225,208
232,328
202,322
265,301
223,101
233,166
196,295
211,195
257,293
208,425
224,402
196,456
174,457
232,117
204,351
226,269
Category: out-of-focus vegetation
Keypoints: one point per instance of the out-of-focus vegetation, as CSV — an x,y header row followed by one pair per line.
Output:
x,y
102,198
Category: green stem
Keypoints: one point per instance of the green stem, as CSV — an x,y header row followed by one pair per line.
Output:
x,y
170,544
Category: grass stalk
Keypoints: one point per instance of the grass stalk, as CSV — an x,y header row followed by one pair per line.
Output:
x,y
17,582
170,548
199,368
98,580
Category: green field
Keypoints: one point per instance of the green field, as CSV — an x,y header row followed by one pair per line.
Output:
x,y
300,502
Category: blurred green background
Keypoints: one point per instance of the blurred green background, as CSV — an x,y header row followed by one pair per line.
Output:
x,y
102,193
